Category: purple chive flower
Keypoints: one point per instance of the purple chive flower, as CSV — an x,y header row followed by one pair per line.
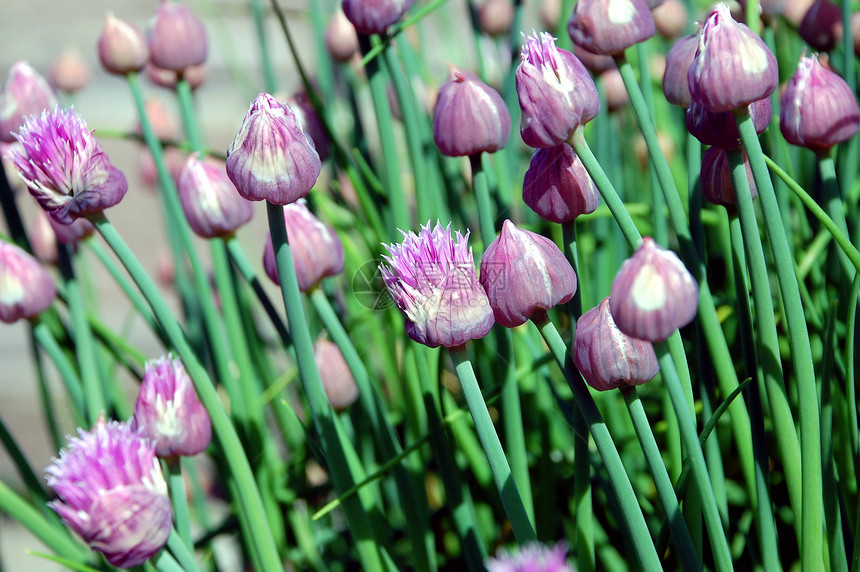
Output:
x,y
534,557
557,186
26,288
65,167
122,47
168,412
316,248
715,179
653,293
609,27
112,493
733,66
524,274
24,93
818,108
555,91
176,37
821,27
678,60
607,357
719,128
272,158
431,277
470,117
338,382
209,199
374,16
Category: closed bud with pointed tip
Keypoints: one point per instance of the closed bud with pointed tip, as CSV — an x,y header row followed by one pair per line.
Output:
x,y
607,357
209,199
470,117
610,26
715,179
340,37
653,293
557,186
26,288
339,385
678,60
176,37
24,93
733,66
525,274
70,72
821,27
374,16
495,17
122,47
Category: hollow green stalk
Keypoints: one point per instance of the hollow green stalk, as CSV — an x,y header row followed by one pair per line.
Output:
x,y
258,14
833,201
67,371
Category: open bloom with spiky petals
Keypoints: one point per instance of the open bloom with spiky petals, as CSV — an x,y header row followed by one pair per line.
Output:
x,y
112,493
431,277
168,411
534,557
272,158
24,93
65,167
556,93
26,288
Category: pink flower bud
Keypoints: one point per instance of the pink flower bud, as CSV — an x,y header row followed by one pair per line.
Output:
x,y
341,38
317,250
610,26
607,357
670,18
374,16
715,179
818,108
524,274
596,64
168,412
310,122
821,27
122,47
23,93
617,97
339,385
721,128
653,293
678,60
470,117
557,186
26,288
43,241
272,158
210,201
70,72
555,91
72,233
733,66
495,17
194,75
112,493
432,280
176,37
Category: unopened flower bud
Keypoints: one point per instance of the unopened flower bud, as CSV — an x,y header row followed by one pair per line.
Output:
x,y
339,385
675,85
209,199
616,93
821,27
310,122
340,37
524,274
374,16
272,158
176,37
23,93
818,109
733,66
557,186
721,128
610,26
495,17
43,241
70,72
317,250
26,288
670,18
470,117
653,293
715,179
607,357
596,64
194,75
161,120
122,47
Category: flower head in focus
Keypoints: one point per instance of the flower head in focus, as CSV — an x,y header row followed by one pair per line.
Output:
x,y
112,493
26,287
557,186
209,199
609,27
122,47
534,557
65,167
431,277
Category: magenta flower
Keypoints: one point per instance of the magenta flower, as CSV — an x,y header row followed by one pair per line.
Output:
x,y
168,411
24,93
65,167
431,277
557,186
534,557
176,37
676,88
209,199
112,493
272,158
26,288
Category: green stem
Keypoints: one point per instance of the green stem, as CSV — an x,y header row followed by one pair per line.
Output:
x,y
258,13
180,551
178,499
835,209
481,187
68,373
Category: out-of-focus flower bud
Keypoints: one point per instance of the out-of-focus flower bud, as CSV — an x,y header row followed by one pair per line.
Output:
x,y
176,37
316,248
23,93
112,493
470,117
818,109
550,13
715,179
557,186
640,148
524,274
174,159
596,64
821,27
610,26
653,293
721,128
168,412
495,17
272,158
122,47
311,122
43,241
210,201
678,60
855,32
616,93
194,75
70,72
556,93
374,16
161,120
534,557
670,18
607,357
341,38
733,66
795,10
26,288
339,385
